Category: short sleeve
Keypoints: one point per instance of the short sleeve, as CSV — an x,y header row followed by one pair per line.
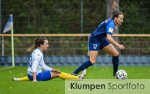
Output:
x,y
110,28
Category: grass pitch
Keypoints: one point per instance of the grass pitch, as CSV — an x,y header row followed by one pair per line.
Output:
x,y
57,86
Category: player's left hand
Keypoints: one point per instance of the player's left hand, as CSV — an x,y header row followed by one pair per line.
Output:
x,y
121,46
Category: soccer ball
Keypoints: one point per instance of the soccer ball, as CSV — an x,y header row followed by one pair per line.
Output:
x,y
121,75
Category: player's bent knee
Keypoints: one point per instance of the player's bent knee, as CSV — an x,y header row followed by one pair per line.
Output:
x,y
93,61
54,75
116,54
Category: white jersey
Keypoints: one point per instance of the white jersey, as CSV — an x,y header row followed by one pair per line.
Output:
x,y
36,62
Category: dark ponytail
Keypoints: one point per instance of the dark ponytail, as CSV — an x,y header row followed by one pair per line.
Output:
x,y
38,41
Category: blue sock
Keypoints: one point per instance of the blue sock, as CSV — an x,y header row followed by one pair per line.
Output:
x,y
115,61
83,66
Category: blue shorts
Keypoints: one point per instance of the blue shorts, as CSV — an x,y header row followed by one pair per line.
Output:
x,y
97,43
43,76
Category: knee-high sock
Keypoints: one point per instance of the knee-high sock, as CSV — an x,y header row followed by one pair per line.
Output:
x,y
83,66
115,61
23,78
67,76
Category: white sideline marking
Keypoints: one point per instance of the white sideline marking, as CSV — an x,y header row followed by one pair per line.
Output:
x,y
5,68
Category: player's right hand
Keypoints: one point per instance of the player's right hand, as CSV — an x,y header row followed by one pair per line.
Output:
x,y
34,81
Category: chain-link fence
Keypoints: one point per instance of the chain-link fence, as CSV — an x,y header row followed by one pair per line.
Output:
x,y
71,50
63,45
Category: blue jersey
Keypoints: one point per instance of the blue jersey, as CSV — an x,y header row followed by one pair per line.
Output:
x,y
106,27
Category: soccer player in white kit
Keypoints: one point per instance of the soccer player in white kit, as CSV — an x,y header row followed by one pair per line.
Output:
x,y
37,65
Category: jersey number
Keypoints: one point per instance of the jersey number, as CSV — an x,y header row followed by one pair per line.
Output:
x,y
94,46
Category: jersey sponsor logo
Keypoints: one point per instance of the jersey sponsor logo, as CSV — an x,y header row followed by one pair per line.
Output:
x,y
110,30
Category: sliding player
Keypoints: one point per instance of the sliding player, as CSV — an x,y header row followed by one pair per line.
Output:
x,y
101,39
37,64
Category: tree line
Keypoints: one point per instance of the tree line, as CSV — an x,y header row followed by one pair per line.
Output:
x,y
64,16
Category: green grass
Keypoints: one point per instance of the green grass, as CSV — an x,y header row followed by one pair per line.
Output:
x,y
56,86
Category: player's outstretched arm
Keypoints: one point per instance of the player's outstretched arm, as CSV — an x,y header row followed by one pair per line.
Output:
x,y
109,37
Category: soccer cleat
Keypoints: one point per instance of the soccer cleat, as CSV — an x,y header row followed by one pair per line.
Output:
x,y
15,79
114,74
82,75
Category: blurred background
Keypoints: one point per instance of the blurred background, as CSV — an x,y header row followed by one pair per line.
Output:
x,y
74,17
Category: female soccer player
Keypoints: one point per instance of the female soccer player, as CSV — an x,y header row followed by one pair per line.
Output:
x,y
37,64
101,39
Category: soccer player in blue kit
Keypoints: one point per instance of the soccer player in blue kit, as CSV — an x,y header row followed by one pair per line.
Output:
x,y
101,39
